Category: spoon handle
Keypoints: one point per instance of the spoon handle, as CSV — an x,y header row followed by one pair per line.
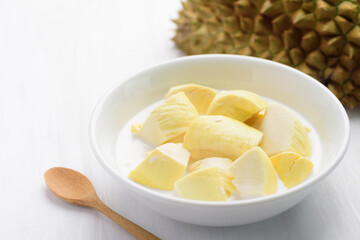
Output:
x,y
137,231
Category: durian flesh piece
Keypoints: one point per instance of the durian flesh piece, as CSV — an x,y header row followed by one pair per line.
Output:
x,y
222,164
162,167
219,136
291,168
254,174
283,132
169,120
236,104
206,184
199,95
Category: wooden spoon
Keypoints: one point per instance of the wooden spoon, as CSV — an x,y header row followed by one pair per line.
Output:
x,y
73,187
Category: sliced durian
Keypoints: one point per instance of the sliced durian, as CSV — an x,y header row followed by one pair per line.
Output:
x,y
219,136
162,167
206,184
169,120
222,164
283,132
254,174
292,168
237,104
199,95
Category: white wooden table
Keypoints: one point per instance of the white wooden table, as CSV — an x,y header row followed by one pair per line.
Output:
x,y
57,57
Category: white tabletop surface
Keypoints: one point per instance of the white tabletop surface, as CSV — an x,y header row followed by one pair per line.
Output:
x,y
57,57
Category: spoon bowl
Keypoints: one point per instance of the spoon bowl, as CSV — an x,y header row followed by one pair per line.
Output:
x,y
70,185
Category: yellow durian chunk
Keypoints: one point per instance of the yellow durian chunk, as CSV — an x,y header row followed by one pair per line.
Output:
x,y
223,165
199,95
237,104
219,136
283,132
162,167
206,184
291,168
168,120
254,174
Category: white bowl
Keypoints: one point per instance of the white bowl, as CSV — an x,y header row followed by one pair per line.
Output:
x,y
270,79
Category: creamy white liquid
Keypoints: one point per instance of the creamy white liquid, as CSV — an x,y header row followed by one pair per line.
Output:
x,y
130,149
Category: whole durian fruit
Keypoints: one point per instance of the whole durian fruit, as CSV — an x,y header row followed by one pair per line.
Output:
x,y
320,38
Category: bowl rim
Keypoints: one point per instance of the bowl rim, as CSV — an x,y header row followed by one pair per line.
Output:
x,y
177,200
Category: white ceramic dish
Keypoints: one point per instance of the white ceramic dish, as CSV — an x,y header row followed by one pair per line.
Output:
x,y
276,81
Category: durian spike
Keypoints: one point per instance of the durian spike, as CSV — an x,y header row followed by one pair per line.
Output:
x,y
355,77
316,60
354,35
348,10
324,10
327,28
296,55
309,41
332,46
291,5
340,75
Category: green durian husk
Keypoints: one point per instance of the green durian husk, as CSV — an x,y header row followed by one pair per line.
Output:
x,y
320,37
